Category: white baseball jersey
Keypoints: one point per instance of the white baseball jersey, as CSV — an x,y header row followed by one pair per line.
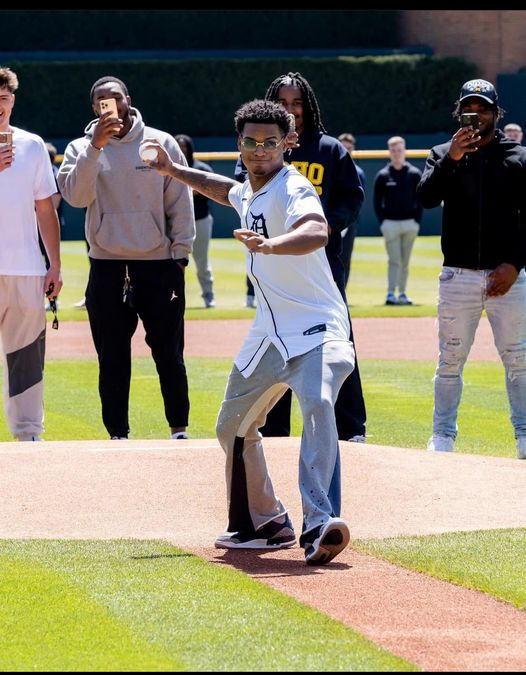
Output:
x,y
299,305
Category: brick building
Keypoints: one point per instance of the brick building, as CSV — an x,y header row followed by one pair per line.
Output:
x,y
492,39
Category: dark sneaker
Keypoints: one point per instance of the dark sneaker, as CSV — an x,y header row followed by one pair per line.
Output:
x,y
391,299
273,535
324,542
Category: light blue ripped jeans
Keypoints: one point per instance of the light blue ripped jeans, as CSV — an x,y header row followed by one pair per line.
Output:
x,y
461,300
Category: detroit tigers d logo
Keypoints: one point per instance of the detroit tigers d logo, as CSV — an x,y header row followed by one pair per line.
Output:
x,y
259,224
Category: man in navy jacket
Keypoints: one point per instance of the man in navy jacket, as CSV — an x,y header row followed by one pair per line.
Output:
x,y
326,163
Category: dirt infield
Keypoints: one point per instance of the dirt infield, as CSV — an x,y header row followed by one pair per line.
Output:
x,y
378,338
141,489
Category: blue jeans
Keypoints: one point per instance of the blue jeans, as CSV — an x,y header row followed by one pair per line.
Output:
x,y
462,298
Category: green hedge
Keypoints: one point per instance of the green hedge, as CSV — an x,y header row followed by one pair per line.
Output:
x,y
155,29
386,94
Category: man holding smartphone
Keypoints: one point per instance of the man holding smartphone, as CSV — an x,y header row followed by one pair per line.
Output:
x,y
27,186
140,229
479,175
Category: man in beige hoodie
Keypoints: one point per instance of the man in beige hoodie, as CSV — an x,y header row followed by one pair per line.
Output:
x,y
140,228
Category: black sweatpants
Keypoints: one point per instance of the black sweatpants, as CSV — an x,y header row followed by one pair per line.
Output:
x,y
158,299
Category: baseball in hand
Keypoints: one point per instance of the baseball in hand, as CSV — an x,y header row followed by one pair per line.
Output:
x,y
148,154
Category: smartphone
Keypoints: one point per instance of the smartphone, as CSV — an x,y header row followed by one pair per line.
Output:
x,y
6,138
469,120
109,105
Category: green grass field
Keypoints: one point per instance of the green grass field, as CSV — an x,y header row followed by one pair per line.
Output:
x,y
399,394
141,606
366,289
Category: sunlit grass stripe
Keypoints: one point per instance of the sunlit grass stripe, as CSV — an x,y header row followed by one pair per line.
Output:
x,y
146,605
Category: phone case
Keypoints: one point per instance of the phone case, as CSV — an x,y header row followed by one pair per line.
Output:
x,y
6,138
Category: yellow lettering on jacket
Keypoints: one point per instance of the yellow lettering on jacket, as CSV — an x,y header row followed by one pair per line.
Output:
x,y
313,172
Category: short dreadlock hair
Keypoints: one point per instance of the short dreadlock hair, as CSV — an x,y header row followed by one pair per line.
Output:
x,y
311,109
260,111
105,80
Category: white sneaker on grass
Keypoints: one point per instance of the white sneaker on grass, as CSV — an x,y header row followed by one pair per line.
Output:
x,y
403,299
441,443
179,435
358,438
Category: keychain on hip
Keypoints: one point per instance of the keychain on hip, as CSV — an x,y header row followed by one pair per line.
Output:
x,y
127,290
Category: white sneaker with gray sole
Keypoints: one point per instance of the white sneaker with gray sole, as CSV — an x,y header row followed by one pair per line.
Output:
x,y
441,443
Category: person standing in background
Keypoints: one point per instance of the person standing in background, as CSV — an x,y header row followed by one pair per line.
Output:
x,y
513,131
27,186
204,222
399,213
349,234
140,228
324,161
479,175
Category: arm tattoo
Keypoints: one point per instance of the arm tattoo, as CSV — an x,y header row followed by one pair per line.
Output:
x,y
212,185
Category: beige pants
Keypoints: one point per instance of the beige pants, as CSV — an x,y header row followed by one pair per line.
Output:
x,y
399,237
22,338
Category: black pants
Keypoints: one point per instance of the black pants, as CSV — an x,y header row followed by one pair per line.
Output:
x,y
347,249
158,299
350,405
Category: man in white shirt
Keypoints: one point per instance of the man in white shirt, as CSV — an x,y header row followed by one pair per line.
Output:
x,y
27,186
299,339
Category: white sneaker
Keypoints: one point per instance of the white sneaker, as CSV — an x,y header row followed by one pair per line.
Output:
x,y
359,438
80,304
179,435
209,300
119,438
521,447
441,443
404,300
